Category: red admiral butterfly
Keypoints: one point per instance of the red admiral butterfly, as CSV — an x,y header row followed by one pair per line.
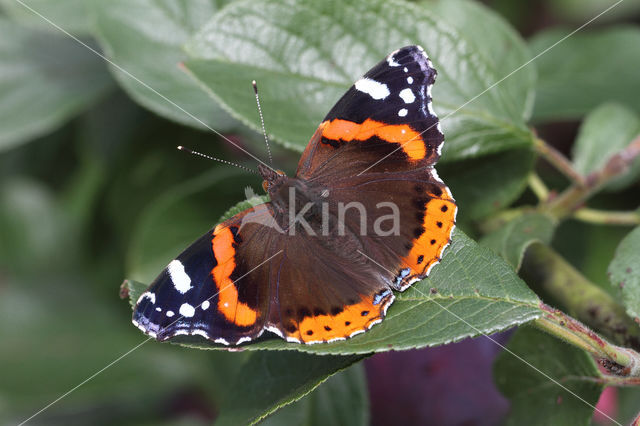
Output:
x,y
293,266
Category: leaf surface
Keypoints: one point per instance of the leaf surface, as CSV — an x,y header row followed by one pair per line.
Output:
x,y
624,272
585,70
511,241
308,53
607,130
129,33
537,400
271,380
45,79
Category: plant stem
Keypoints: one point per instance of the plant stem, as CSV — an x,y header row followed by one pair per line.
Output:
x,y
616,360
574,196
607,217
543,268
558,160
609,380
538,187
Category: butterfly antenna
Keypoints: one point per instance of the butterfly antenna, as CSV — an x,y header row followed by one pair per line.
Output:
x,y
208,157
264,132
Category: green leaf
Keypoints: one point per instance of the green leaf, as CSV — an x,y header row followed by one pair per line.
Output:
x,y
512,240
70,15
472,291
271,380
624,272
44,80
536,400
584,71
606,131
341,400
306,54
145,38
485,185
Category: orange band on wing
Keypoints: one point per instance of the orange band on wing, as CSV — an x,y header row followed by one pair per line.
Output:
x,y
344,130
353,319
233,310
438,222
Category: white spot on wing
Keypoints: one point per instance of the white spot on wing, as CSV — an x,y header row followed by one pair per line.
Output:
x,y
403,112
221,340
391,299
428,271
159,309
205,305
374,322
170,314
391,61
410,80
186,310
148,295
373,88
274,330
200,333
407,95
179,277
435,175
243,339
355,333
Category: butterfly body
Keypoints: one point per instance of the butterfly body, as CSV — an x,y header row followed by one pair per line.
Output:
x,y
365,214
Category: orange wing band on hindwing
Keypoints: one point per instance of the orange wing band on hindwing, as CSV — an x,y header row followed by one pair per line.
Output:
x,y
351,320
438,222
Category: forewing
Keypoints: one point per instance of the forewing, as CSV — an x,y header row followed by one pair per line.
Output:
x,y
217,288
387,112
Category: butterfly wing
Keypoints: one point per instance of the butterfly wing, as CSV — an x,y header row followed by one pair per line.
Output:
x,y
218,288
385,114
248,275
379,144
410,217
323,290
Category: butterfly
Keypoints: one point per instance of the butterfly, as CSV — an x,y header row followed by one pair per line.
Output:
x,y
365,215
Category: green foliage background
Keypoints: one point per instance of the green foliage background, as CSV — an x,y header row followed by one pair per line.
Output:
x,y
92,190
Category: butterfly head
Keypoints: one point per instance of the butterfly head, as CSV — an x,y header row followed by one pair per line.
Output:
x,y
272,178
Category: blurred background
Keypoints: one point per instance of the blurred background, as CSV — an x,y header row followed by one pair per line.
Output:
x,y
93,191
